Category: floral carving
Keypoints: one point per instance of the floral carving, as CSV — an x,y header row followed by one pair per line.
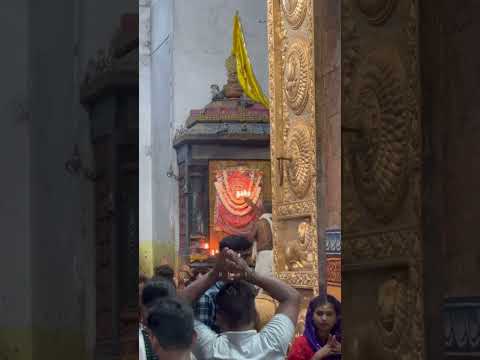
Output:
x,y
296,75
377,11
295,11
381,117
300,165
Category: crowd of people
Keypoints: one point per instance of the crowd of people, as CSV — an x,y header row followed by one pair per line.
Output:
x,y
234,311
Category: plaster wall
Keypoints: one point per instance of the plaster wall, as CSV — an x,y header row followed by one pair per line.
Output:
x,y
145,139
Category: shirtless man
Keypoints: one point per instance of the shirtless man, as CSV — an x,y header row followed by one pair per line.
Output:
x,y
262,253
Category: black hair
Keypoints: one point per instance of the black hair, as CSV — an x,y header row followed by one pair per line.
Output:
x,y
235,243
157,289
236,302
165,271
170,320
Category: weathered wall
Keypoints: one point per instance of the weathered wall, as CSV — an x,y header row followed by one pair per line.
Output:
x,y
61,243
15,275
145,137
463,148
451,173
48,302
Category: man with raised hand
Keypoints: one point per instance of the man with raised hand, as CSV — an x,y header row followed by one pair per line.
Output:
x,y
236,315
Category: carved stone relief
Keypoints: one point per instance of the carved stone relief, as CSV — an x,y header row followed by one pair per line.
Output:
x,y
295,11
377,11
380,160
381,133
296,76
392,313
293,147
300,168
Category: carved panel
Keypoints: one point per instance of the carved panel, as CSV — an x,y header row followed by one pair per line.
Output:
x,y
377,11
300,167
380,117
295,11
382,261
297,66
294,144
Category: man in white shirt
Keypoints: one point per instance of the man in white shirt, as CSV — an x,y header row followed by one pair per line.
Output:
x,y
236,314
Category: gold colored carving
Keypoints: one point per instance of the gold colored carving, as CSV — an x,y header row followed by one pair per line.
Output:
x,y
298,253
300,279
296,75
291,209
290,88
377,11
382,122
300,167
232,89
295,11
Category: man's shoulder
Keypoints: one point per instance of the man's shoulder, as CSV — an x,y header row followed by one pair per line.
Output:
x,y
279,326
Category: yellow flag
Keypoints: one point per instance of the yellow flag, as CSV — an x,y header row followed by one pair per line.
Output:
x,y
246,76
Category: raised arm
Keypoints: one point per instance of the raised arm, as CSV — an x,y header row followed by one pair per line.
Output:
x,y
287,296
196,289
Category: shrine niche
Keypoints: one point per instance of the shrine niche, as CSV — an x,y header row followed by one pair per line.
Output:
x,y
222,156
230,183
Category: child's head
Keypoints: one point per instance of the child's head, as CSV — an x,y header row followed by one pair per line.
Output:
x,y
175,340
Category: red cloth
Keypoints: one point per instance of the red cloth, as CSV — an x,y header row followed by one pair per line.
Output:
x,y
233,215
300,349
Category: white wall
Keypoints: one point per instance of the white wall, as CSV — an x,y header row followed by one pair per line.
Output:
x,y
145,117
190,41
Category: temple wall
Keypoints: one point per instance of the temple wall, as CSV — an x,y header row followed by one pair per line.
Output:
x,y
462,255
189,43
451,173
47,304
15,275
